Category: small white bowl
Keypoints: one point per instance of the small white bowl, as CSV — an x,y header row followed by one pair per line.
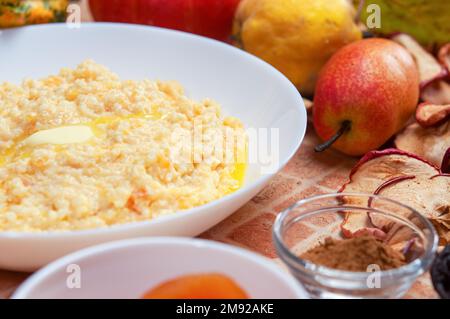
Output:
x,y
127,269
244,85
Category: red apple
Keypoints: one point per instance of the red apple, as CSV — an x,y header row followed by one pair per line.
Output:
x,y
211,18
364,95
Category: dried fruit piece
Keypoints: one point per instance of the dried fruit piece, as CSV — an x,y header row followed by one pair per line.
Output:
x,y
437,93
389,225
434,88
428,114
404,237
430,196
442,223
430,143
396,233
374,169
444,56
440,273
429,68
357,225
445,166
390,182
198,286
413,249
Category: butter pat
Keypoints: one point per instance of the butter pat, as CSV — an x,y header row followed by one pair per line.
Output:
x,y
61,135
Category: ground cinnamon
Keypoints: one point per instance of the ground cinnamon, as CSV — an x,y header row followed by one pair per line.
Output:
x,y
355,254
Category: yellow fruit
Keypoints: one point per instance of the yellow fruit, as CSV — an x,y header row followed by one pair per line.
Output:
x,y
295,36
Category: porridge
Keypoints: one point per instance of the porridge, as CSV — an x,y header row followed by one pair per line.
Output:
x,y
85,149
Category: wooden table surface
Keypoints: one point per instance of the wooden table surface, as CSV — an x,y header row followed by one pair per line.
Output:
x,y
307,174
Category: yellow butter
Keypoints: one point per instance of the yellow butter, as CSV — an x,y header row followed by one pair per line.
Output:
x,y
61,135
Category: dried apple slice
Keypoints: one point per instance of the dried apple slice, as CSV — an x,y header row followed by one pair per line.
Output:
x,y
428,114
411,248
445,166
358,224
429,68
374,169
384,224
390,182
430,196
442,221
396,232
399,234
436,93
429,143
444,56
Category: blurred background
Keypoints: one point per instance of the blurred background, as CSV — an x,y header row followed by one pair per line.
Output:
x,y
296,36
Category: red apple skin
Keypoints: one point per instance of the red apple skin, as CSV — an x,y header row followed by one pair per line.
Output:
x,y
374,84
211,18
445,166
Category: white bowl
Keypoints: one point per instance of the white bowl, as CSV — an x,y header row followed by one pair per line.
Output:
x,y
245,86
129,268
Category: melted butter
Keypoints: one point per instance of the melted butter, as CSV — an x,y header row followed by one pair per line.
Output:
x,y
239,171
83,133
238,174
109,120
71,134
67,134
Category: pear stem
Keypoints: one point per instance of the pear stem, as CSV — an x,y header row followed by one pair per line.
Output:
x,y
344,128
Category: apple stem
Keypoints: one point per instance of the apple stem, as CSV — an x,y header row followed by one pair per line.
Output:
x,y
344,128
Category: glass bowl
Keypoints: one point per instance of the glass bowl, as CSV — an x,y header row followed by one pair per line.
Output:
x,y
309,222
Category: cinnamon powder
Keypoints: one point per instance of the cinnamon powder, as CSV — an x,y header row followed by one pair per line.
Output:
x,y
355,254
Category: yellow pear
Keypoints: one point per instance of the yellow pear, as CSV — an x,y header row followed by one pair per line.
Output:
x,y
295,36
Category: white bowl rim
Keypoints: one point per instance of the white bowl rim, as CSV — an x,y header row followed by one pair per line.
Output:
x,y
127,226
264,262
